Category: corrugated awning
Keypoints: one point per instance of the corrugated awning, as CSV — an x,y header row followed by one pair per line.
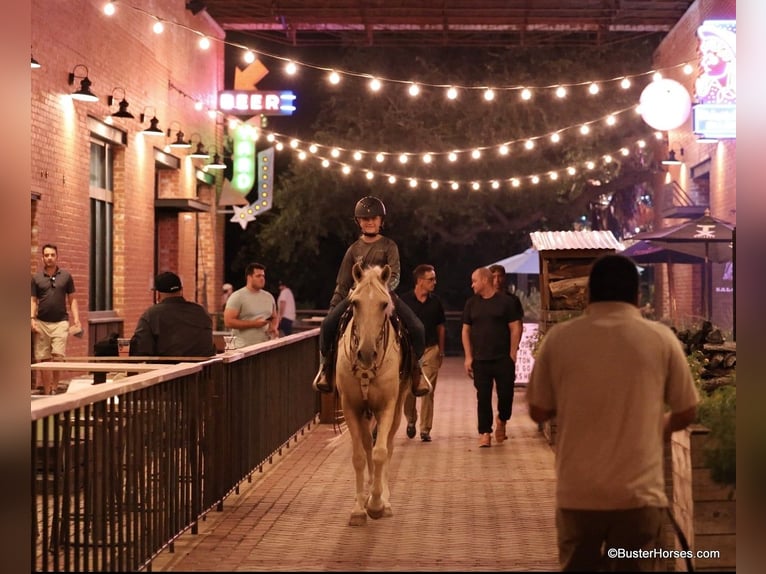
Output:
x,y
549,240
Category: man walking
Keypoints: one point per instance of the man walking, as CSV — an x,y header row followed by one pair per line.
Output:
x,y
607,376
286,308
491,335
429,309
251,311
52,289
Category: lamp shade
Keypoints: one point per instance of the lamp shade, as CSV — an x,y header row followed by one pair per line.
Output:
x,y
153,129
180,142
84,94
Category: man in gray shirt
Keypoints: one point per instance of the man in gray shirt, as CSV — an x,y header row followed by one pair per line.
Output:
x,y
251,311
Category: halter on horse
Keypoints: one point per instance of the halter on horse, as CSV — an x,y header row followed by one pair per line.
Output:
x,y
367,375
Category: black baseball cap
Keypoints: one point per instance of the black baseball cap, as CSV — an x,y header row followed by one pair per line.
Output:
x,y
167,282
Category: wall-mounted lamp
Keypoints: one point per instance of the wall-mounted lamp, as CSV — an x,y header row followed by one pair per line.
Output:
x,y
217,162
83,94
179,143
35,64
122,112
671,159
200,152
153,129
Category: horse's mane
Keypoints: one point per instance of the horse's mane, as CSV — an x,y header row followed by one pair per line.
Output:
x,y
371,279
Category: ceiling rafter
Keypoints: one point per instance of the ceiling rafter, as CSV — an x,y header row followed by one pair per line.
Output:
x,y
447,22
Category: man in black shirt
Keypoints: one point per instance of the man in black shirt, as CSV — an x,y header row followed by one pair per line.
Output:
x,y
52,290
491,336
429,309
173,327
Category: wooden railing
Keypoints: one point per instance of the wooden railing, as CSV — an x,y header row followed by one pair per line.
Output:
x,y
119,470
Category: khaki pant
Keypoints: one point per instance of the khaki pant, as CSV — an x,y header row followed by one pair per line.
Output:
x,y
432,361
585,538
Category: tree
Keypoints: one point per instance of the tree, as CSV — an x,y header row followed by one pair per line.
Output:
x,y
311,224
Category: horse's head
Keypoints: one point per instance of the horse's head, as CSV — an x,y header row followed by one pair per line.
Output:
x,y
372,306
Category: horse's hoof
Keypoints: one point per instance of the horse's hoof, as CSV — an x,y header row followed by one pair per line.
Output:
x,y
375,513
388,512
359,519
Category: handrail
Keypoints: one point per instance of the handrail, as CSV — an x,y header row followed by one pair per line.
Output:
x,y
119,470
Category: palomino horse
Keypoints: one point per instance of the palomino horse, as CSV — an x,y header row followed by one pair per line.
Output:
x,y
369,384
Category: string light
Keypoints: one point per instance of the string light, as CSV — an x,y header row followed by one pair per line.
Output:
x,y
451,90
514,182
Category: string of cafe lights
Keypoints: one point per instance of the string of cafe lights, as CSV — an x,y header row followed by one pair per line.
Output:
x,y
414,89
452,91
306,151
514,182
452,156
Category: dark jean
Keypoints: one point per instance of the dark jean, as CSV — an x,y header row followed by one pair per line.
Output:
x,y
501,372
328,331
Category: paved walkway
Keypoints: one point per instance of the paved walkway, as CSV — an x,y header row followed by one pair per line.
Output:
x,y
456,507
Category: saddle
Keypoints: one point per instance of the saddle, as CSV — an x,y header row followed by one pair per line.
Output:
x,y
407,363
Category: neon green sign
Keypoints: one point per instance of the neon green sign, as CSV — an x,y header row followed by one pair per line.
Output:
x,y
243,159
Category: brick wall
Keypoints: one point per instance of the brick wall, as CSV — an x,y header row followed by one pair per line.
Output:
x,y
160,74
679,46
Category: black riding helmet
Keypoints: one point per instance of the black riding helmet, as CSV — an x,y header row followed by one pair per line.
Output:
x,y
369,207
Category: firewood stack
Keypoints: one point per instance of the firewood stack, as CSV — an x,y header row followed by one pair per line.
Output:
x,y
720,357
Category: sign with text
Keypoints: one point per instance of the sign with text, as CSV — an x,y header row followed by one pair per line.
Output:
x,y
251,102
524,358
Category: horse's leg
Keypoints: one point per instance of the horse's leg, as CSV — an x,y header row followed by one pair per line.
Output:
x,y
378,500
387,510
357,428
368,446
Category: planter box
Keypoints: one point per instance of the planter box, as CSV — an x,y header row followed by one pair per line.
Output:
x,y
705,510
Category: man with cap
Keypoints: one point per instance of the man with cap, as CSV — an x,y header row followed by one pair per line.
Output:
x,y
173,327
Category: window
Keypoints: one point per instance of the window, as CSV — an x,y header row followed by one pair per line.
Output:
x,y
101,224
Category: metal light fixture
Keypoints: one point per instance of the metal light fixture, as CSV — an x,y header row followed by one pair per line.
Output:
x,y
217,162
180,143
200,152
671,159
35,64
122,112
83,94
153,129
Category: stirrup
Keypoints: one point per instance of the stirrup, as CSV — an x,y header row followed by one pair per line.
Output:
x,y
417,387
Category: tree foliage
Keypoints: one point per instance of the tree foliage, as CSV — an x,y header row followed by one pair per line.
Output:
x,y
304,237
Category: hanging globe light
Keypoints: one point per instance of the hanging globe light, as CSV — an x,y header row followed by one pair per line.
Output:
x,y
665,104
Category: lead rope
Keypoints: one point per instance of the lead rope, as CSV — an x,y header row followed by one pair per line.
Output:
x,y
682,539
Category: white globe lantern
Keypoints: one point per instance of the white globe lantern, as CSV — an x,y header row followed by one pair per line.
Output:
x,y
665,105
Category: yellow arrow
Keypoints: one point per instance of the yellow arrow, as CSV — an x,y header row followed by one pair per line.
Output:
x,y
247,78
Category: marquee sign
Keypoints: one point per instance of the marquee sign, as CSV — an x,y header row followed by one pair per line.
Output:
x,y
251,102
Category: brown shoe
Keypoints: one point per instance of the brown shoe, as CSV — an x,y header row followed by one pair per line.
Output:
x,y
485,440
321,383
500,435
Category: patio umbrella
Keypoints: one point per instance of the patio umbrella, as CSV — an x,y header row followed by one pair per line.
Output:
x,y
708,238
527,262
647,252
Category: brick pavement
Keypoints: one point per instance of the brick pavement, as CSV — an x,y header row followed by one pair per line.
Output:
x,y
456,507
